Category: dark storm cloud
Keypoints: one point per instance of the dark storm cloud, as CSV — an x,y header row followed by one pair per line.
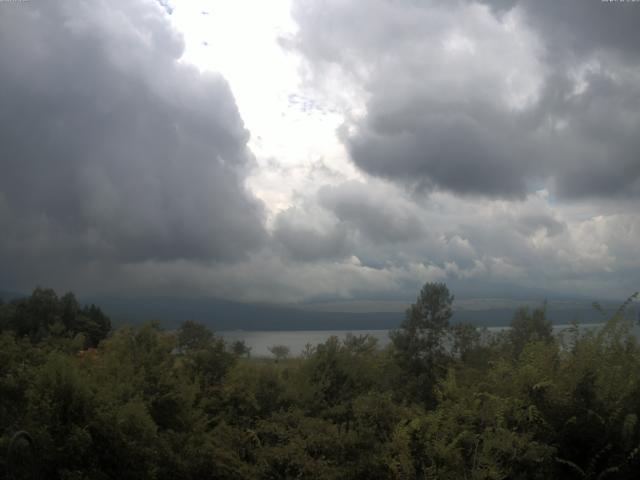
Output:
x,y
579,26
598,154
109,148
494,101
445,149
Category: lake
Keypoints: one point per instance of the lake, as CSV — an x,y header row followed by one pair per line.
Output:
x,y
296,340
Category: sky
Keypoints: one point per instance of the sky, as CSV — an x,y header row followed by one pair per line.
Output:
x,y
320,150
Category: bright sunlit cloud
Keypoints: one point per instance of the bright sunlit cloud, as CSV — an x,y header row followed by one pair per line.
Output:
x,y
291,128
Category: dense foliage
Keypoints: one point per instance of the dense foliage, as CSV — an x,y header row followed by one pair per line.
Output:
x,y
442,401
45,315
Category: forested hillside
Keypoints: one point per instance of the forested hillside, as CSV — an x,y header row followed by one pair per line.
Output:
x,y
442,401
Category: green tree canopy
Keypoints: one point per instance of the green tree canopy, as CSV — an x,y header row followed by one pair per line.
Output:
x,y
280,352
529,326
43,314
420,342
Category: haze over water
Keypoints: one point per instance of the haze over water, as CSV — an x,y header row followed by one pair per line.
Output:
x,y
296,340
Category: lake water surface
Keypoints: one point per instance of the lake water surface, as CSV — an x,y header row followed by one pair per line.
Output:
x,y
296,340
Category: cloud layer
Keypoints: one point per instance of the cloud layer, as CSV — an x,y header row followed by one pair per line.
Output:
x,y
112,151
489,144
494,99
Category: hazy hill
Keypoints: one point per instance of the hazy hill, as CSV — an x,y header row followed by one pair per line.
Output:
x,y
352,315
7,296
228,315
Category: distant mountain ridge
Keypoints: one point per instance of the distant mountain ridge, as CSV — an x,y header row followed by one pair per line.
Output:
x,y
7,296
225,315
228,315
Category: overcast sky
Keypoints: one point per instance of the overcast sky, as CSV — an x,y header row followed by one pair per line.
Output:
x,y
306,150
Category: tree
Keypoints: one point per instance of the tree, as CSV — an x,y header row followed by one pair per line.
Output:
x,y
529,326
466,344
360,344
240,348
204,353
280,352
94,324
420,342
33,315
45,315
193,336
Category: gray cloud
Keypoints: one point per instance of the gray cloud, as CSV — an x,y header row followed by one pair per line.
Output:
x,y
445,149
530,223
579,27
110,149
598,155
497,102
123,169
371,210
311,235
